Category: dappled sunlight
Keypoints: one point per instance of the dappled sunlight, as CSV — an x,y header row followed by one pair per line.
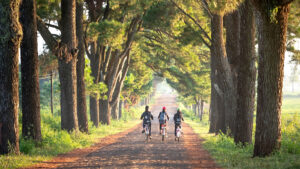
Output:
x,y
130,150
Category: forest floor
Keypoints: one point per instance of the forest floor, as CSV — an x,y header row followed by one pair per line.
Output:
x,y
129,150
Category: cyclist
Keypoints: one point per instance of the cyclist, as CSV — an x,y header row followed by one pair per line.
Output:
x,y
146,117
177,119
163,116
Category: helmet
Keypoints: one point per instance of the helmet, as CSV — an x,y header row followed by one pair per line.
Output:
x,y
164,108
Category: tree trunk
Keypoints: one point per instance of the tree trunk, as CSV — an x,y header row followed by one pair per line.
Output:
x,y
220,122
51,92
246,76
213,114
232,25
67,66
115,107
94,102
195,109
31,120
198,108
117,92
223,73
271,48
11,35
94,111
115,101
201,109
94,52
81,96
104,111
115,110
120,108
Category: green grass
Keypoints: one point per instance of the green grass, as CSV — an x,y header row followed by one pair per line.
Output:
x,y
290,105
56,141
229,155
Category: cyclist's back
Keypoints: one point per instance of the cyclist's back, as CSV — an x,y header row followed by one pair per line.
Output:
x,y
147,117
163,117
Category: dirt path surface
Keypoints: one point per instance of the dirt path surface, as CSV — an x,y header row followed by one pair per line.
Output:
x,y
129,149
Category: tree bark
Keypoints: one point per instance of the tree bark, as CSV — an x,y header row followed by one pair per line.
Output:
x,y
11,35
31,120
201,109
223,74
195,109
81,96
104,111
272,29
220,122
120,108
246,76
67,66
116,96
115,110
198,108
232,25
213,114
95,67
51,91
94,111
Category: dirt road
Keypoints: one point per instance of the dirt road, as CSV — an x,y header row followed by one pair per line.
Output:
x,y
129,149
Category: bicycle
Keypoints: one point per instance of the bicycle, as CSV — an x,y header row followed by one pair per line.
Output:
x,y
163,131
178,133
147,132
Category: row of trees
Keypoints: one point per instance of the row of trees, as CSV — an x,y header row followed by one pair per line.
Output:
x,y
233,71
178,30
105,35
187,42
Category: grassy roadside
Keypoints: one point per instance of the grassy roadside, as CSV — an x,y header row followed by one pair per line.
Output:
x,y
55,141
231,156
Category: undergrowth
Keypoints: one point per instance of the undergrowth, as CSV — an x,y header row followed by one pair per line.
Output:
x,y
229,155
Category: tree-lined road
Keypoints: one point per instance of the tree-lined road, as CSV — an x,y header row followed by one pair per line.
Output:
x,y
129,149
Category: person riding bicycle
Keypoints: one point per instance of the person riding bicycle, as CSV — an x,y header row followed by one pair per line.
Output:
x,y
177,119
163,116
147,116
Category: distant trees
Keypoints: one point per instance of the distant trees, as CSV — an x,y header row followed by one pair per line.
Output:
x,y
175,55
11,35
97,13
110,37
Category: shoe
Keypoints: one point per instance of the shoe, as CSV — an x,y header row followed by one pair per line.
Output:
x,y
143,131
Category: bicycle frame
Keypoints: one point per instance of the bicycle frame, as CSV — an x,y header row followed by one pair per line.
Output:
x,y
163,131
178,131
